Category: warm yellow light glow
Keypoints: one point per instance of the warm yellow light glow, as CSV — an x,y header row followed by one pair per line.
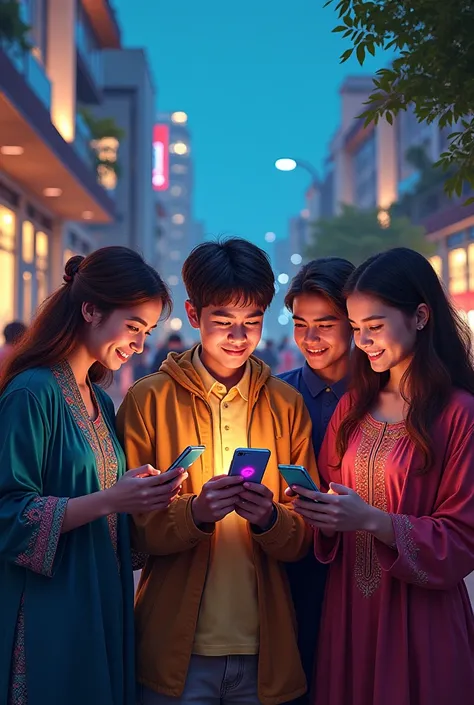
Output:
x,y
106,148
176,324
179,148
52,192
437,264
64,124
28,242
179,118
178,219
107,177
41,245
457,262
383,217
27,296
11,150
7,265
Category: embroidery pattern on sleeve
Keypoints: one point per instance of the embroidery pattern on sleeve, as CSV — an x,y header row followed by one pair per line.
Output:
x,y
377,442
407,547
45,515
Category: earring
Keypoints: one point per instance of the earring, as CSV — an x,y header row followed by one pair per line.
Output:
x,y
420,327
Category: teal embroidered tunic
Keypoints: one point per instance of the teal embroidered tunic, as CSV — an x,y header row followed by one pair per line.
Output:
x,y
66,600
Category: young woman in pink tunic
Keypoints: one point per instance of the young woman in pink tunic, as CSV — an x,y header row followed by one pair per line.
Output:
x,y
397,525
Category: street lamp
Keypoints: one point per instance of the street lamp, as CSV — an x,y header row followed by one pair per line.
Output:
x,y
287,164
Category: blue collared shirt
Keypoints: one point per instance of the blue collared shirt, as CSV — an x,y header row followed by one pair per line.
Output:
x,y
320,398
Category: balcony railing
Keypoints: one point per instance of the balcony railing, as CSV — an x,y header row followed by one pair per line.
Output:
x,y
90,54
32,70
82,142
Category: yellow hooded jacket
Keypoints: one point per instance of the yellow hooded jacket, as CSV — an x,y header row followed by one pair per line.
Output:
x,y
160,416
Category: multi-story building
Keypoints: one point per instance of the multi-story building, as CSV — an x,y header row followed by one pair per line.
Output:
x,y
128,98
177,231
48,176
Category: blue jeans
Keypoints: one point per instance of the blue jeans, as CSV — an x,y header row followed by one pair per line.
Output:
x,y
212,680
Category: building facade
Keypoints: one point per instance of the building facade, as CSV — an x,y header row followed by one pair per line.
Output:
x,y
177,230
128,99
49,188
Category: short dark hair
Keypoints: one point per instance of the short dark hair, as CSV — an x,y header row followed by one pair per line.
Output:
x,y
13,332
228,270
326,276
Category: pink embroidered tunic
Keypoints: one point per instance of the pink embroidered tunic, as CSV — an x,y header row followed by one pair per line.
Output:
x,y
397,625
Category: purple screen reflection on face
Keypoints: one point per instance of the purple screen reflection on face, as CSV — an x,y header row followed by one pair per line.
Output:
x,y
247,472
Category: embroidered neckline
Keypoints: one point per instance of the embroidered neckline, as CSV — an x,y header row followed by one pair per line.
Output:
x,y
96,433
369,423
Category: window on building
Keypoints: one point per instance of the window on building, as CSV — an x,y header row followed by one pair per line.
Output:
x,y
28,242
364,165
437,264
457,260
470,264
42,283
7,265
456,239
27,296
179,169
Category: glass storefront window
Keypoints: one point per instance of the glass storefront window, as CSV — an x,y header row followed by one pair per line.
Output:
x,y
457,260
7,265
470,262
42,248
27,296
28,242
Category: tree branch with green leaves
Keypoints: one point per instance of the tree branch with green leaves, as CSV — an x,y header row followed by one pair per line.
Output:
x,y
433,69
358,234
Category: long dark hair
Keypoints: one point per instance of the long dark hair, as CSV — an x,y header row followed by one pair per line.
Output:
x,y
404,279
110,278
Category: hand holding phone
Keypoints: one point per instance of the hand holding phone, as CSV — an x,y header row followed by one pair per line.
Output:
x,y
250,463
187,457
216,499
296,476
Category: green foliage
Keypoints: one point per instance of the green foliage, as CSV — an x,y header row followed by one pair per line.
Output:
x,y
13,31
357,234
432,71
101,127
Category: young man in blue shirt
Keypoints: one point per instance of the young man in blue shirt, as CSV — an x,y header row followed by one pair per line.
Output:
x,y
323,334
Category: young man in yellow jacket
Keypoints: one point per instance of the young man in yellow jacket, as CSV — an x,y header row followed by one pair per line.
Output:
x,y
214,618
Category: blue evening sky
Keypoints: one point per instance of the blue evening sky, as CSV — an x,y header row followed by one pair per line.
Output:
x,y
259,79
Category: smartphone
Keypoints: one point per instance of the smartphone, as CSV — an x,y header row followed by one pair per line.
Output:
x,y
298,475
250,463
187,457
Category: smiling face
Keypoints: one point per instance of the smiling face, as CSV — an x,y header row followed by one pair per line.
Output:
x,y
112,341
323,335
229,335
384,333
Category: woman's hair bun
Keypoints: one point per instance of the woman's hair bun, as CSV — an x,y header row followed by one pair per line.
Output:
x,y
71,268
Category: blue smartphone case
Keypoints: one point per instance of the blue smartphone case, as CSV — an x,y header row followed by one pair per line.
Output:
x,y
298,475
250,463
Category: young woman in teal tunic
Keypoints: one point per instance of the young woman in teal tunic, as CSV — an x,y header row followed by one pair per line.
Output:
x,y
66,608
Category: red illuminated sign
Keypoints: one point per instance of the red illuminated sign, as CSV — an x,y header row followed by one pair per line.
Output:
x,y
161,140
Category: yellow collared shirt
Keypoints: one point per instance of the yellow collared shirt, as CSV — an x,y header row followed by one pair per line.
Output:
x,y
228,618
